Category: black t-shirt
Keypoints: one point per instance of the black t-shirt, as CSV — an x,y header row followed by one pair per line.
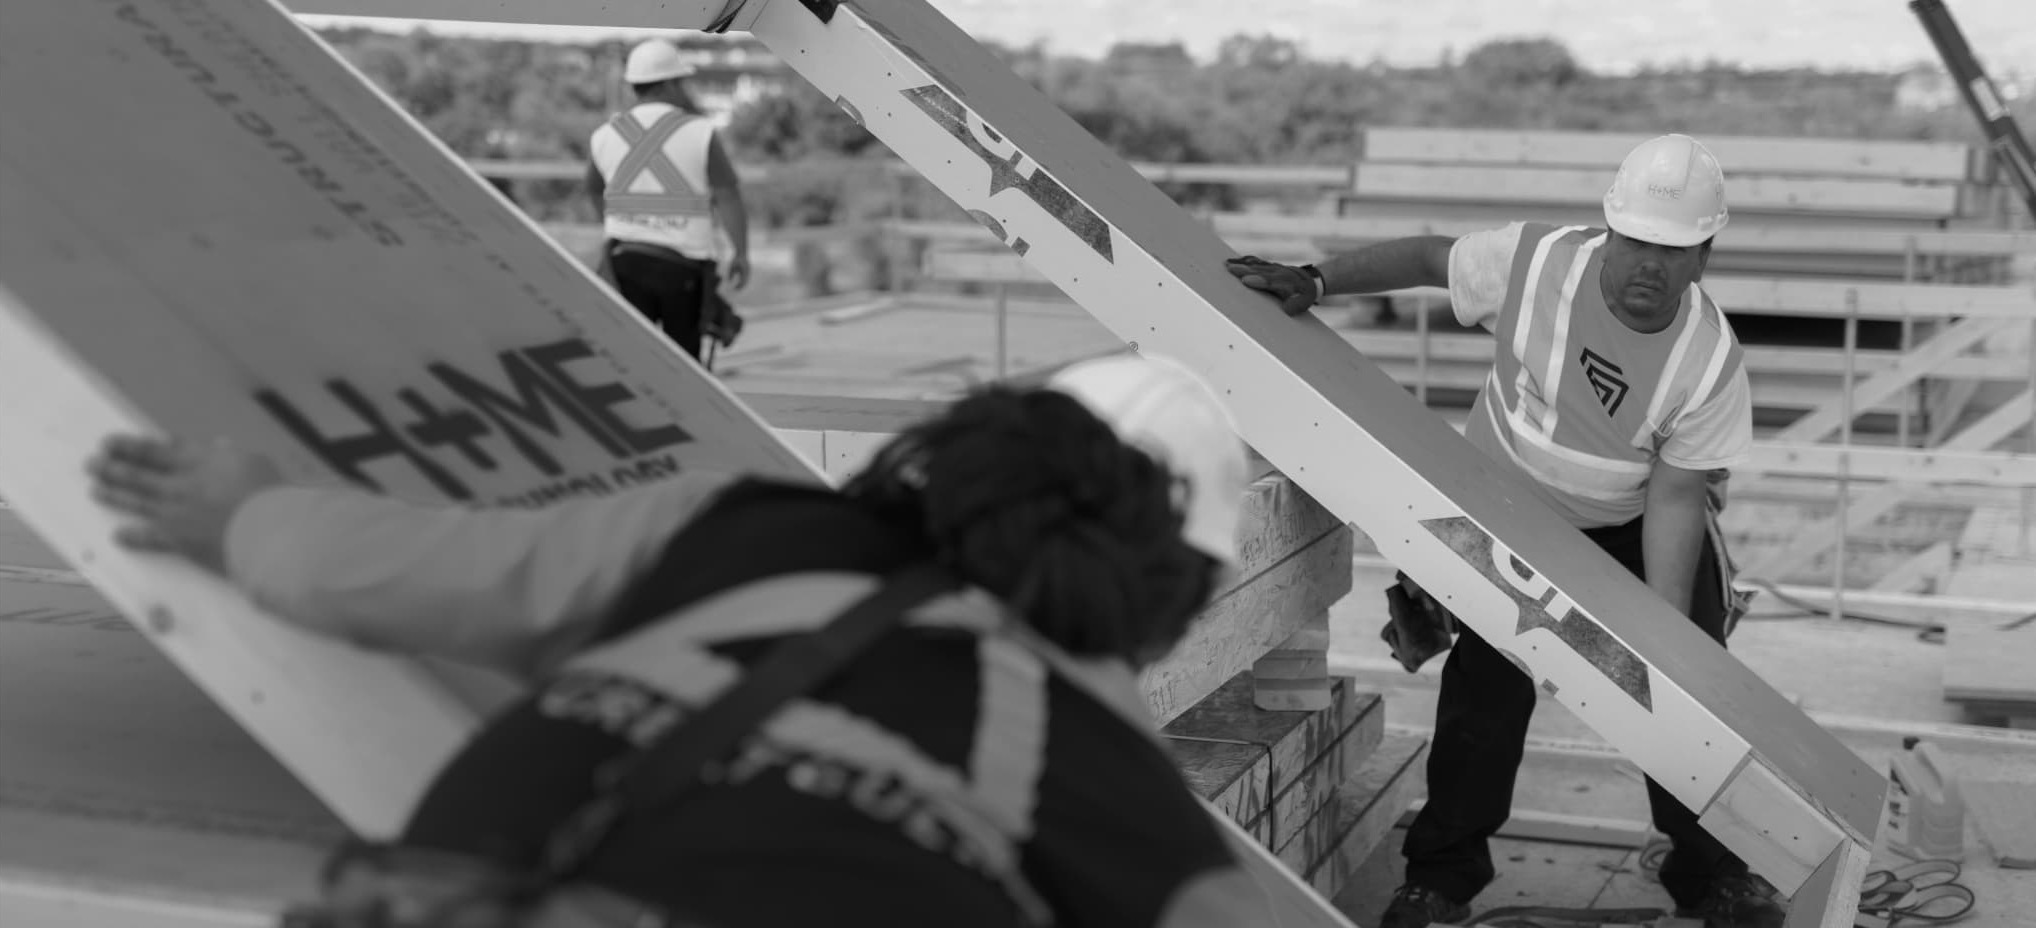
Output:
x,y
1093,820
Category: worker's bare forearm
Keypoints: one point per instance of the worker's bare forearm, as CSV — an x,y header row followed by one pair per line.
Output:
x,y
1419,261
729,209
491,586
1672,536
733,216
597,191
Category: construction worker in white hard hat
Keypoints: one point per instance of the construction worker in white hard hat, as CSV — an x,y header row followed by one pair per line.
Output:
x,y
670,204
1620,392
986,759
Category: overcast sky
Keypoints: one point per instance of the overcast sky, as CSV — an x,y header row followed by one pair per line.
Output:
x,y
1606,35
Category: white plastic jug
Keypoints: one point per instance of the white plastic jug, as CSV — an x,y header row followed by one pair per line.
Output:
x,y
1925,814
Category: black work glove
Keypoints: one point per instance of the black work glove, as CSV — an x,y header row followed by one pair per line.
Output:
x,y
1295,289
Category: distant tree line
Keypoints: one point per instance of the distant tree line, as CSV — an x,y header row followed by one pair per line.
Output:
x,y
1258,100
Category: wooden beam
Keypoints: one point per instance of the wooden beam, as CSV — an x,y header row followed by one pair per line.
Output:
x,y
1899,465
1492,184
1295,565
1922,606
1830,897
1924,161
1479,348
840,413
1832,298
1360,814
1248,175
1751,235
1946,410
1747,236
1925,571
1273,768
1493,215
1242,625
1244,175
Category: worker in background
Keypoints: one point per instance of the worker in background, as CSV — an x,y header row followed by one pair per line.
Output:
x,y
1620,391
989,762
668,196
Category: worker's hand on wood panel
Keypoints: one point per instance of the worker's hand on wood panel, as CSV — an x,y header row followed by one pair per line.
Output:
x,y
1295,288
181,494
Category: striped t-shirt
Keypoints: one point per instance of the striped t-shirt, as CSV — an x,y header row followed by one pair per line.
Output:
x,y
1576,399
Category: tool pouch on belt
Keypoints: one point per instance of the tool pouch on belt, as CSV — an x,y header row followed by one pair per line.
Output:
x,y
1417,627
718,319
1737,601
386,885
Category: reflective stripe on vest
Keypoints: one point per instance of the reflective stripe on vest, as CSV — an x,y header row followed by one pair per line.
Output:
x,y
1543,289
1702,337
647,152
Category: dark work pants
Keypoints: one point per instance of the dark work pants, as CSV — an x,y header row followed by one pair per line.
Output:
x,y
668,288
1480,734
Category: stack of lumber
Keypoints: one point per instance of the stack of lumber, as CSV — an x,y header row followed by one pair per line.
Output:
x,y
1320,787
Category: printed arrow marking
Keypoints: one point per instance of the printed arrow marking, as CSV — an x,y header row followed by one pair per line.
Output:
x,y
1011,169
1538,602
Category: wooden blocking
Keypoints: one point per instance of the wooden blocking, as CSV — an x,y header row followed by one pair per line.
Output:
x,y
1363,810
1278,519
1295,563
1758,817
1271,770
1830,897
1295,675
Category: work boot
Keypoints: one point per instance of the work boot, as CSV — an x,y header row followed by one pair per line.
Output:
x,y
1418,907
1737,901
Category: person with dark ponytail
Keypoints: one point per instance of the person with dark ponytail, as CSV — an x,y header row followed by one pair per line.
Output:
x,y
988,761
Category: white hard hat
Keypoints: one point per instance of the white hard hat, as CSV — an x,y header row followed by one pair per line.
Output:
x,y
1161,407
1669,191
653,61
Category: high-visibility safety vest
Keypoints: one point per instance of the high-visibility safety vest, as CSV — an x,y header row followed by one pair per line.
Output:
x,y
653,159
1585,405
